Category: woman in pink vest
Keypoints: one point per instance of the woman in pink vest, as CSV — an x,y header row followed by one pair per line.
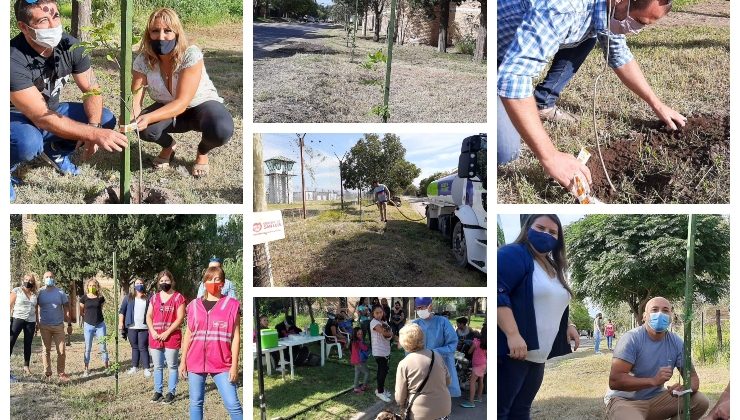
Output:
x,y
211,346
609,332
164,318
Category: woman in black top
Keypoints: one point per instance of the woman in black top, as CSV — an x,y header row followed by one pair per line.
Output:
x,y
91,308
398,318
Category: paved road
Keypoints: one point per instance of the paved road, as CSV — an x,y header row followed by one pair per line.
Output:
x,y
266,34
459,413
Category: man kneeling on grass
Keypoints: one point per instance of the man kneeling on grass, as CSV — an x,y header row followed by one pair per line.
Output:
x,y
42,59
643,361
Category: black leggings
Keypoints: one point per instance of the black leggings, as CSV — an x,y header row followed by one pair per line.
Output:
x,y
210,118
139,340
382,371
29,329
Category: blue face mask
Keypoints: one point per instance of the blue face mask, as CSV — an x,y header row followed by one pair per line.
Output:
x,y
659,321
541,241
139,288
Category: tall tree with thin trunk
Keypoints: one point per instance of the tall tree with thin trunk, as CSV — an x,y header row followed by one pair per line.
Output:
x,y
482,40
444,17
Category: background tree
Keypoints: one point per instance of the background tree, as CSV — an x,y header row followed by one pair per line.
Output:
x,y
444,17
377,7
81,14
378,158
579,315
632,258
481,41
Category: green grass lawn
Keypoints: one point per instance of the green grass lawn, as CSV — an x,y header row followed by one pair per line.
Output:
x,y
313,385
354,248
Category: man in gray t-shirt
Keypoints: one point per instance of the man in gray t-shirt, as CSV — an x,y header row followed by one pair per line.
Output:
x,y
643,361
53,311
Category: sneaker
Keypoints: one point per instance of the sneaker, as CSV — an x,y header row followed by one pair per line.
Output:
x,y
357,390
387,394
147,373
478,399
157,397
65,164
382,396
63,377
364,387
467,404
131,371
169,398
86,373
557,115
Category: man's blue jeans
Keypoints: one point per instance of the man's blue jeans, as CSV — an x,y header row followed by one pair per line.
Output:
x,y
518,383
158,357
609,339
564,66
227,390
94,332
597,341
28,141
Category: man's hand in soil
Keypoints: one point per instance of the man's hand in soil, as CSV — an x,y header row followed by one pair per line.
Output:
x,y
563,167
672,119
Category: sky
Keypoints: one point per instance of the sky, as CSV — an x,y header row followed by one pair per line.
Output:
x,y
325,2
429,152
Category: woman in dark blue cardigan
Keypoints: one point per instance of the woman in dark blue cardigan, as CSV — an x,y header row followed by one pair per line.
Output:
x,y
532,312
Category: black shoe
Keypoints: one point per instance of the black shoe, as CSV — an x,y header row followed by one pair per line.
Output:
x,y
157,397
168,399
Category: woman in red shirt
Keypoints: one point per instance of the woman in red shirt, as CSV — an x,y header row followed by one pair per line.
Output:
x,y
164,318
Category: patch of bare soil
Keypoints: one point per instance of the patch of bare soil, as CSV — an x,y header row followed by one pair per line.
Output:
x,y
714,13
653,165
149,196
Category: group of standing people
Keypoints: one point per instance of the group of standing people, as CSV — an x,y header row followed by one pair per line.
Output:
x,y
608,330
154,326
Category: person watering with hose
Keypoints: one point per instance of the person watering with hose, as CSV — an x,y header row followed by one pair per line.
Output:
x,y
381,195
531,34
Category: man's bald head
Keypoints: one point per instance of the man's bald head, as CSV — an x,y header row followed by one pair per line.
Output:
x,y
48,274
657,304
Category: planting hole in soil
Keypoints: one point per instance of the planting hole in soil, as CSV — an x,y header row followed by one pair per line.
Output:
x,y
652,165
149,196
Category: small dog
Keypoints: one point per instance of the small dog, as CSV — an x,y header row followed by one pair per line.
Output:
x,y
388,415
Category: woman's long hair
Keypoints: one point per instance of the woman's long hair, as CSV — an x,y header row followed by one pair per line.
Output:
x,y
555,262
168,17
92,280
132,290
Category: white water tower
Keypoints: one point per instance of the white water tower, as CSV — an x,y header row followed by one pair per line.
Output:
x,y
279,189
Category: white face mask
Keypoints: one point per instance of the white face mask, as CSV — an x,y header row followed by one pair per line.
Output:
x,y
49,37
628,26
423,313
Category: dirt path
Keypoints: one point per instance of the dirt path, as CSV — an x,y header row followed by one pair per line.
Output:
x,y
713,13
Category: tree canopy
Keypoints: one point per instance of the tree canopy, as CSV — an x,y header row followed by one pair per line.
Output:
x,y
76,247
633,258
384,159
424,183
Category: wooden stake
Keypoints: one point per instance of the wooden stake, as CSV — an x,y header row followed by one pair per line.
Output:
x,y
126,61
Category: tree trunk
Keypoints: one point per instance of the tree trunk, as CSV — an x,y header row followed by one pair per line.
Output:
x,y
481,42
444,23
310,309
81,13
719,330
364,25
376,24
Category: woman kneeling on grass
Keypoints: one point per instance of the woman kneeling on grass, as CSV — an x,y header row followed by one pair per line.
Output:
x,y
211,346
184,96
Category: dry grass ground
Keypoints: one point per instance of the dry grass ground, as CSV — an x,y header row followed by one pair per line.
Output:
x,y
686,60
222,47
334,249
313,81
94,397
574,386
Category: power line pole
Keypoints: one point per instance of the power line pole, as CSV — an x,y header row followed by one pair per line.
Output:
x,y
303,179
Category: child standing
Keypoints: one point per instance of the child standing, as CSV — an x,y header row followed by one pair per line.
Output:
x,y
380,340
478,350
359,359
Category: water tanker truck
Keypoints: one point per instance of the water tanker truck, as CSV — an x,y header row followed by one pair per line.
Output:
x,y
457,205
